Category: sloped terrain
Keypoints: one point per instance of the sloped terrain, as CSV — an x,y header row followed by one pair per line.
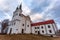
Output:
x,y
27,37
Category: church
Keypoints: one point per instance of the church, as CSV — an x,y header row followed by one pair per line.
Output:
x,y
21,24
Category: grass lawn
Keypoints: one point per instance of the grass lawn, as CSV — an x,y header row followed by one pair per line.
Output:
x,y
27,37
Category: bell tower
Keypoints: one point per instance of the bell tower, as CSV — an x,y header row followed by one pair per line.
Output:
x,y
19,9
17,12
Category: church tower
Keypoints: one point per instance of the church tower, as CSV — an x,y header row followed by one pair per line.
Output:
x,y
20,23
17,12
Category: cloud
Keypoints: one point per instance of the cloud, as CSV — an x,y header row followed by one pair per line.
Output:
x,y
58,24
36,17
25,9
28,2
1,1
44,14
20,1
39,5
7,16
6,8
39,10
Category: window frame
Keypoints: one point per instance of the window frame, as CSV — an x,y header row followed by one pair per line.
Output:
x,y
50,31
22,24
42,31
49,26
27,25
35,31
42,27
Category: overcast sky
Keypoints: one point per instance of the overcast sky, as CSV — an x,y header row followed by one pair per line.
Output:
x,y
39,10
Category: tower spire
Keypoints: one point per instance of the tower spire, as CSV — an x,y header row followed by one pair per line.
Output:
x,y
20,6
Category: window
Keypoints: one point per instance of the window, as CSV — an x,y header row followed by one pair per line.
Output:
x,y
17,19
14,23
42,31
48,26
37,27
10,30
16,29
50,31
42,27
35,31
19,14
27,25
23,25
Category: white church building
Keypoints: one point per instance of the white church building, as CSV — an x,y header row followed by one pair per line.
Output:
x,y
21,24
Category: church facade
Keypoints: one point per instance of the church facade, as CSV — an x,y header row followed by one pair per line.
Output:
x,y
21,24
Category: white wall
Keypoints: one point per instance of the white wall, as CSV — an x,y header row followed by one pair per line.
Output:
x,y
33,30
28,29
55,27
51,28
19,25
42,29
45,29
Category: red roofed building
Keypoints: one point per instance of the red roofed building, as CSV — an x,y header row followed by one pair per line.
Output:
x,y
45,28
43,23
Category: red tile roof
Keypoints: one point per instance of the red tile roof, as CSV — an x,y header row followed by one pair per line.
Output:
x,y
43,23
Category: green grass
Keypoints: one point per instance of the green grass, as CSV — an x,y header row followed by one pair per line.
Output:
x,y
27,37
